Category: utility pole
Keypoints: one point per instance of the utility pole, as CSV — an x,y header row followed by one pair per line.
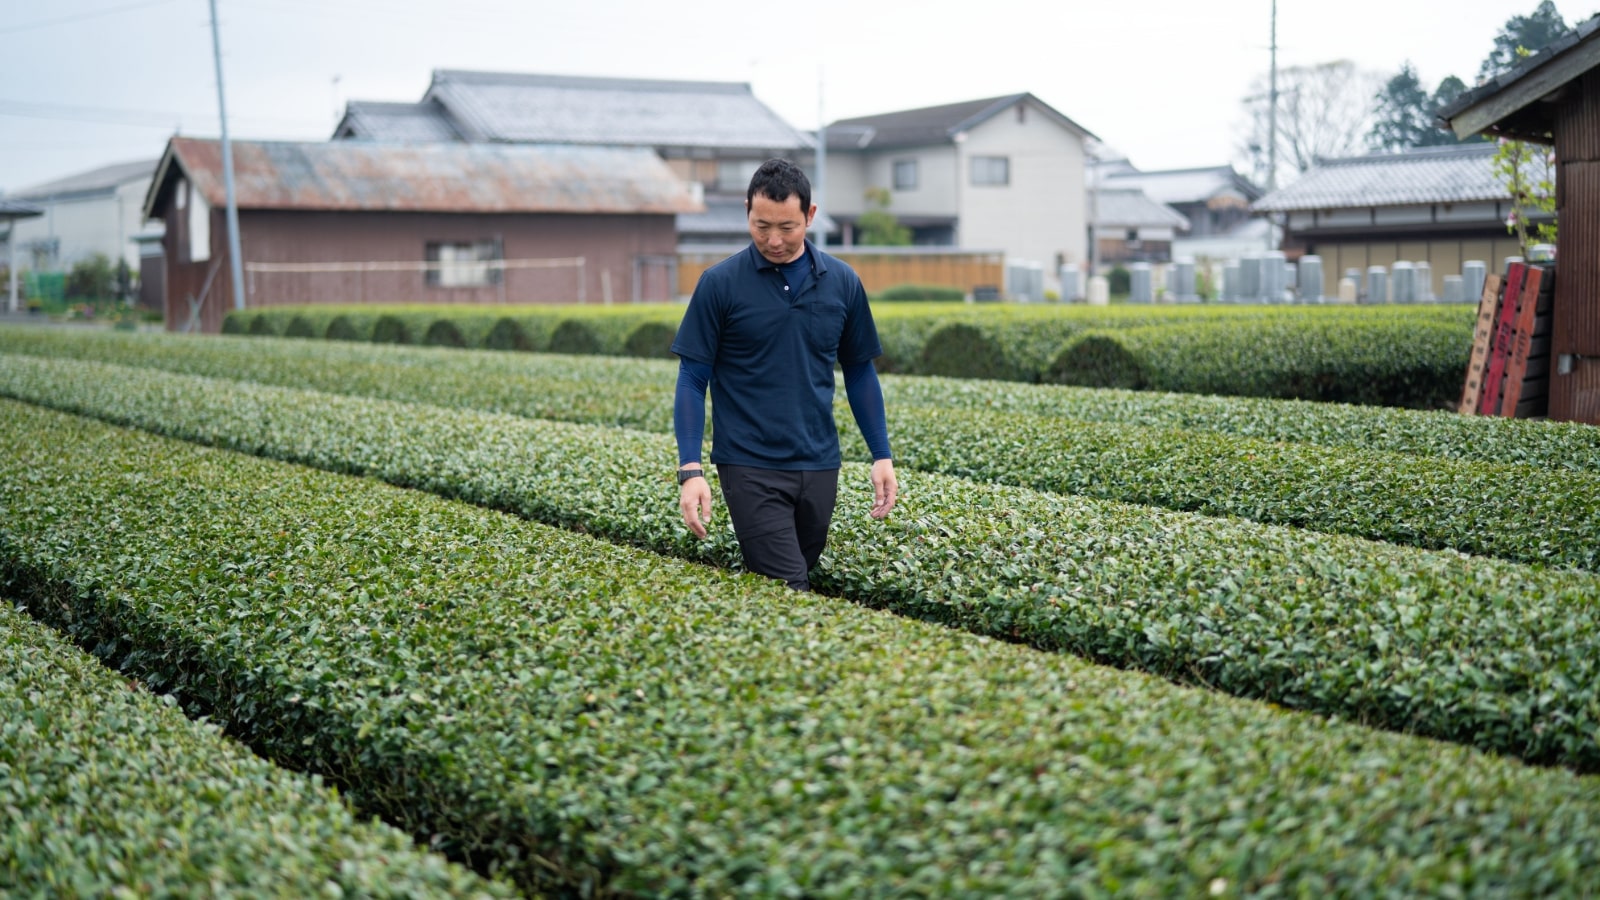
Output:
x,y
235,257
820,194
1272,106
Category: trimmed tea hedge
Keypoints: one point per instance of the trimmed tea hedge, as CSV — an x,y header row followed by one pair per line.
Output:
x,y
589,719
1555,445
108,791
1517,512
1345,359
1477,651
638,393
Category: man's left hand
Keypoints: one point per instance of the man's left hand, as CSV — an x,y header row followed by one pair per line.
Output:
x,y
885,489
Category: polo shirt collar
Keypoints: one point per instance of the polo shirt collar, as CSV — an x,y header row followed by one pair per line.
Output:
x,y
818,261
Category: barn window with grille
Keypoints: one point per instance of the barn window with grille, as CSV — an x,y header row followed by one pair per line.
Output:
x,y
905,174
465,264
991,171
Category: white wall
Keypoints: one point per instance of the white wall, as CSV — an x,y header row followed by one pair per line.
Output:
x,y
83,226
1041,213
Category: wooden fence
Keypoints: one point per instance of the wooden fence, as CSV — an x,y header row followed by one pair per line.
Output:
x,y
879,267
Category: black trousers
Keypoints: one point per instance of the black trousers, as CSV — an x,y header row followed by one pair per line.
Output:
x,y
781,518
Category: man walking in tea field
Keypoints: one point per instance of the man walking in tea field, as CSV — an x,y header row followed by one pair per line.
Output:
x,y
763,330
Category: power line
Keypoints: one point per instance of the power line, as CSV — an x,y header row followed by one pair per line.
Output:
x,y
139,118
83,16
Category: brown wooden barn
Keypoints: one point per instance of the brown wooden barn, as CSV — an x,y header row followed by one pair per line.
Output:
x,y
1553,98
365,222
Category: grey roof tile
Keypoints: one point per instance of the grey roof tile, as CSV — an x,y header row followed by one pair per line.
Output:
x,y
1455,174
926,126
512,107
95,181
396,122
1131,207
1185,185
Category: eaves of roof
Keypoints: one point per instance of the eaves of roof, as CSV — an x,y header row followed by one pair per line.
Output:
x,y
1519,103
17,209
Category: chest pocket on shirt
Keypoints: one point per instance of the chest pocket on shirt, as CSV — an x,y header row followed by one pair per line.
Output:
x,y
825,325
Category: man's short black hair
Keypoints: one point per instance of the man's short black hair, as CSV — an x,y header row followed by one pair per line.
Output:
x,y
778,180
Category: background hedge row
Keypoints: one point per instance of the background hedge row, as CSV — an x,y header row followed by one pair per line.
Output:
x,y
591,719
1345,360
1397,356
109,790
1478,651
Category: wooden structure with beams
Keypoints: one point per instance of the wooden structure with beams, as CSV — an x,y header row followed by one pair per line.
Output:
x,y
1553,98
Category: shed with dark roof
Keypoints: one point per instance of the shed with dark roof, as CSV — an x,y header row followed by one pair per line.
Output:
x,y
358,221
1553,98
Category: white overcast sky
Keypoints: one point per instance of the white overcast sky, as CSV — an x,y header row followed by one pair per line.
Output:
x,y
85,83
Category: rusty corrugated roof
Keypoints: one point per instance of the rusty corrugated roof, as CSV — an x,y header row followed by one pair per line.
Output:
x,y
456,178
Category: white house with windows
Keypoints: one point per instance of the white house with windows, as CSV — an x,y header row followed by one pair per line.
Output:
x,y
100,211
1002,173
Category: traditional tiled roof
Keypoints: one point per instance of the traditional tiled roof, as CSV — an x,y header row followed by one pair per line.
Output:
x,y
1133,208
929,125
103,180
527,108
397,122
1454,174
459,178
1185,185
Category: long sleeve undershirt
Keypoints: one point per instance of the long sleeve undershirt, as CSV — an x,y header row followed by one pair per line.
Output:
x,y
689,410
861,388
865,394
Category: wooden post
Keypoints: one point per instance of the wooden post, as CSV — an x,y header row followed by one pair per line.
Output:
x,y
1483,335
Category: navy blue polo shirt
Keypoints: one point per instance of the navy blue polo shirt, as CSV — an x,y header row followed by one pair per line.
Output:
x,y
772,349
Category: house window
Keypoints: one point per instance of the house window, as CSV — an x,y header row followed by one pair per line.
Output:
x,y
991,170
733,175
463,264
905,175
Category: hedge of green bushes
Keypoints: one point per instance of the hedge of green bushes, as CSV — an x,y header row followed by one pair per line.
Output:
x,y
1431,433
637,393
1512,509
633,330
587,719
901,293
1382,355
1471,650
109,791
1515,512
1343,359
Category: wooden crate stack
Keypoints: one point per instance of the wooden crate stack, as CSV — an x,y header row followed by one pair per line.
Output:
x,y
1509,374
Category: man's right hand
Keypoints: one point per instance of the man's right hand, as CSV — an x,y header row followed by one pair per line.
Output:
x,y
694,502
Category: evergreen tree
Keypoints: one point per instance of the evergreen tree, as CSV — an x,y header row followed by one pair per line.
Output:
x,y
1531,32
1403,117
